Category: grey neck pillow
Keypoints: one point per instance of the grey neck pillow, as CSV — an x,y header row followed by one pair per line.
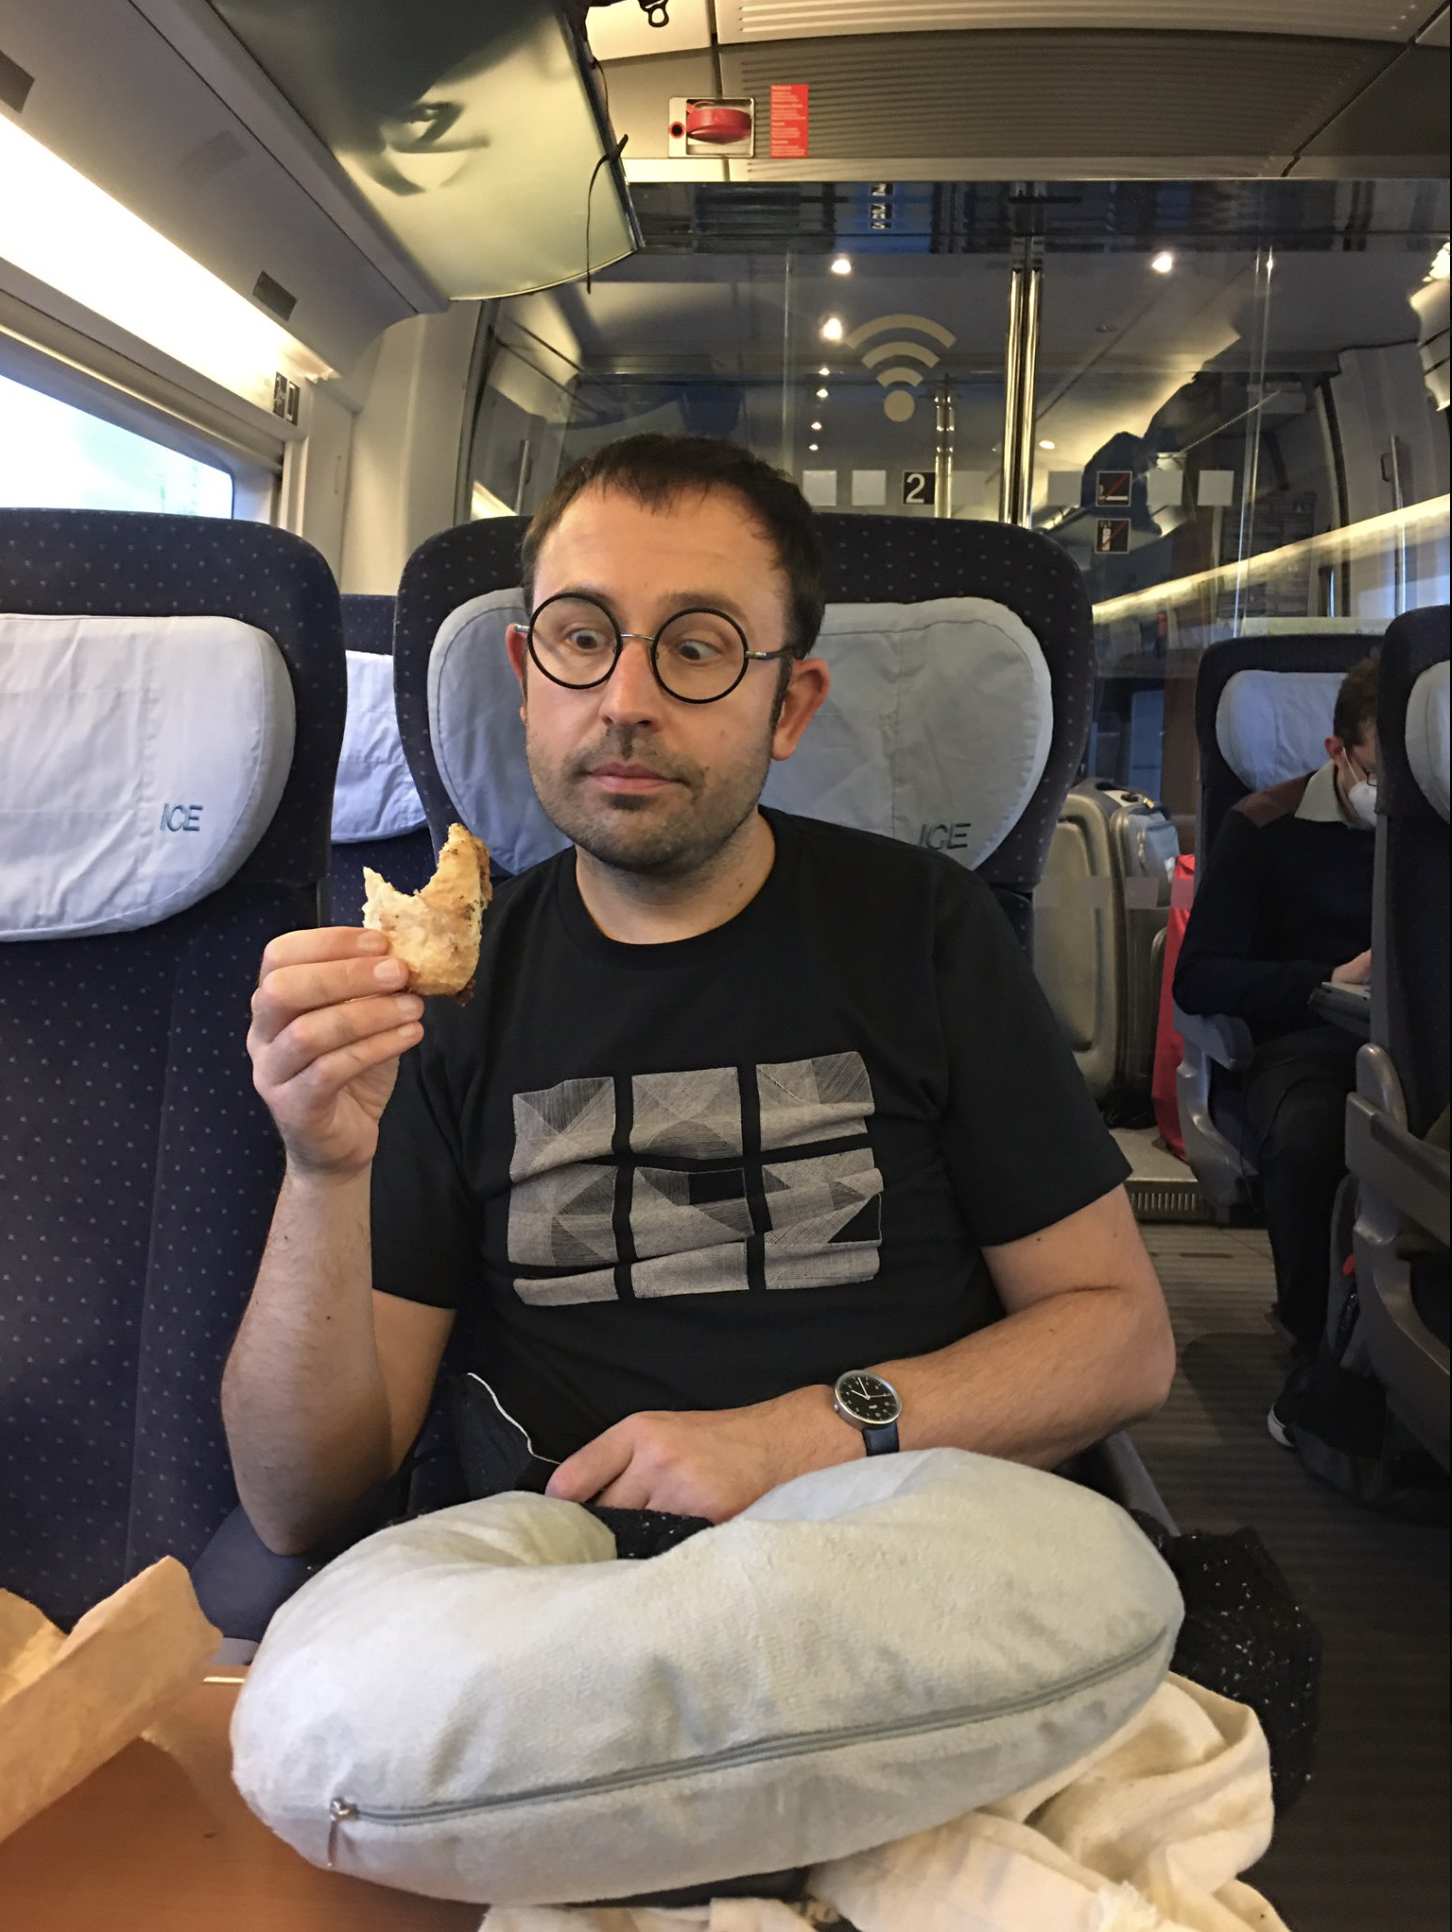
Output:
x,y
486,1704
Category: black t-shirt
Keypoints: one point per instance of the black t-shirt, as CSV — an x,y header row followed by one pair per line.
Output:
x,y
697,1175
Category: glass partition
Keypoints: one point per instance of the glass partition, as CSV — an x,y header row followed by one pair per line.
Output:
x,y
844,334
1236,422
1236,379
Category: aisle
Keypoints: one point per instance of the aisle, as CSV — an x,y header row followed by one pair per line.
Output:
x,y
1366,1849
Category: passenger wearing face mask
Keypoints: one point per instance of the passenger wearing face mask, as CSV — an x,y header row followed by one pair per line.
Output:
x,y
1284,904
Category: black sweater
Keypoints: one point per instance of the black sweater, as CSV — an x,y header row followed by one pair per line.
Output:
x,y
1281,903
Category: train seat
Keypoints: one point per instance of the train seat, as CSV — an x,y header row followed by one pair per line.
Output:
x,y
906,744
912,560
173,704
378,817
1402,1073
1263,710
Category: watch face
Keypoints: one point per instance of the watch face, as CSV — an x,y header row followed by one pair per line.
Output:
x,y
868,1398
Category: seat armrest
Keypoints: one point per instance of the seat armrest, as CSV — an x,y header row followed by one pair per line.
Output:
x,y
1220,1036
1412,1176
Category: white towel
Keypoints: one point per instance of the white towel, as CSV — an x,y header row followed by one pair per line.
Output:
x,y
1147,1834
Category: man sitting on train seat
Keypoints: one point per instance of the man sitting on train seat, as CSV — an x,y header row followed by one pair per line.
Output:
x,y
744,1103
1285,905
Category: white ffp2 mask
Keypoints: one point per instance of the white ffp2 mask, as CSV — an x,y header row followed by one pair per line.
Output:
x,y
1362,799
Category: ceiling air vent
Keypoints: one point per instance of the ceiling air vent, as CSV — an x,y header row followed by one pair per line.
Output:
x,y
761,20
274,297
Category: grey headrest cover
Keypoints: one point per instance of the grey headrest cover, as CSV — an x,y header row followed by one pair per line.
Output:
x,y
1273,725
1427,734
144,759
374,797
937,727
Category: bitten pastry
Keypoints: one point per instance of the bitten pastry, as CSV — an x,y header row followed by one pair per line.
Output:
x,y
435,931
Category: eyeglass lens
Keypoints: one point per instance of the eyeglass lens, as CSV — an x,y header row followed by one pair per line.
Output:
x,y
699,654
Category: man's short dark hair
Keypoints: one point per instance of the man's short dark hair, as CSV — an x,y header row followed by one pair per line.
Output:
x,y
655,469
1355,713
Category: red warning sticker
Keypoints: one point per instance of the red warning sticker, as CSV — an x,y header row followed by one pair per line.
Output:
x,y
789,122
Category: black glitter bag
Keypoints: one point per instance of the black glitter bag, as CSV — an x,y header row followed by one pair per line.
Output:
x,y
1246,1637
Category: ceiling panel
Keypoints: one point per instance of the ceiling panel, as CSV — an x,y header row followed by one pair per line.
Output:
x,y
1400,119
756,20
1436,34
475,134
940,104
235,183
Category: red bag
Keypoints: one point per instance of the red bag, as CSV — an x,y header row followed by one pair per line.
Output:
x,y
1168,1044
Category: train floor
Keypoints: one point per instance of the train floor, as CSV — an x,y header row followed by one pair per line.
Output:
x,y
1366,1849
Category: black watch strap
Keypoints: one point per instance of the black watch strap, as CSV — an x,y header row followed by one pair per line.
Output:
x,y
881,1441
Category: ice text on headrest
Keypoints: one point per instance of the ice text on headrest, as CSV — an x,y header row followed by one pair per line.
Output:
x,y
181,818
946,838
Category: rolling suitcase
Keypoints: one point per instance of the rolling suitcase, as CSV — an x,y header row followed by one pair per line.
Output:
x,y
1100,917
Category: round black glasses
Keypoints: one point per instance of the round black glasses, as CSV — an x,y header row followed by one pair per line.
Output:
x,y
697,655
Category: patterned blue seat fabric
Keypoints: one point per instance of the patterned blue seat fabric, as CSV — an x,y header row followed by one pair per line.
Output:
x,y
137,1166
1410,957
368,623
406,861
443,573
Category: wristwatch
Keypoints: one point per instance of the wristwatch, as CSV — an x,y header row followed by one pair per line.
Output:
x,y
871,1405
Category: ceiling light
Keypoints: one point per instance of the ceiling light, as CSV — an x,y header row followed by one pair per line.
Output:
x,y
842,266
61,228
814,447
816,425
821,395
824,370
1163,262
1368,538
833,329
1045,443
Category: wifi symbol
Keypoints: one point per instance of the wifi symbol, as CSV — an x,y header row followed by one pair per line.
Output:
x,y
898,404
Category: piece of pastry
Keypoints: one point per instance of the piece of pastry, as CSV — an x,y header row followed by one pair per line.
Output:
x,y
435,931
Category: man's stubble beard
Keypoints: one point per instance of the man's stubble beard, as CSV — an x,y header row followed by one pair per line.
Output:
x,y
701,823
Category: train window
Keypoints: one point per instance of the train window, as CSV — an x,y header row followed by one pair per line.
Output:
x,y
55,454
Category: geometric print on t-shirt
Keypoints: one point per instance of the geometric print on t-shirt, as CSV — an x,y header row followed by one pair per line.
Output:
x,y
699,1182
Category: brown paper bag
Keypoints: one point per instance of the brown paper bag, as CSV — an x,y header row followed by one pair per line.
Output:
x,y
69,1703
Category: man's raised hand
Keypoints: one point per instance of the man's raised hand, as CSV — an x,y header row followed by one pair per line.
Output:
x,y
330,1018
